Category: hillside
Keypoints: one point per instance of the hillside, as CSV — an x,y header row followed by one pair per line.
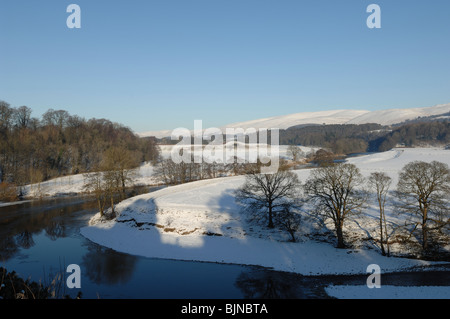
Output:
x,y
201,221
382,117
395,116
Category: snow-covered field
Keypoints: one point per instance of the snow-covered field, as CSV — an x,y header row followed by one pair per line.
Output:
x,y
201,221
391,162
74,184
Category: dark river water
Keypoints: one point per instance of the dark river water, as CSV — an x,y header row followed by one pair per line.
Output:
x,y
38,239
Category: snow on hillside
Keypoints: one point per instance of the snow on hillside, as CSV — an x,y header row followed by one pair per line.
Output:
x,y
392,161
74,184
286,121
394,116
283,122
383,117
228,150
201,221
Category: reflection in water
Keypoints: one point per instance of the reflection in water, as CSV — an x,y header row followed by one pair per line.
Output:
x,y
266,284
104,266
25,239
19,223
55,230
260,286
8,248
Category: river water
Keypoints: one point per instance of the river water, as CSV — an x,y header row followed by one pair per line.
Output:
x,y
39,239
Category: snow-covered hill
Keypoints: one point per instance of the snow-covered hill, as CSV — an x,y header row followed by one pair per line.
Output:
x,y
286,121
383,117
394,116
201,221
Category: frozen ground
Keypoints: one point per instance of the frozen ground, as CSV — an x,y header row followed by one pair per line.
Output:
x,y
201,221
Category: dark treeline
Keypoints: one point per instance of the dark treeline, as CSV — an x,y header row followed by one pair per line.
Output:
x,y
347,139
341,139
353,138
34,150
434,133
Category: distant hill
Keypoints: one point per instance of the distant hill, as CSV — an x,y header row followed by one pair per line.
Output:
x,y
334,117
396,116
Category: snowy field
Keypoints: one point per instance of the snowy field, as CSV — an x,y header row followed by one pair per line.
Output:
x,y
201,221
74,184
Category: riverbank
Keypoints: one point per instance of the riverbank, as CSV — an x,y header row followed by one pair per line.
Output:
x,y
188,222
39,238
307,258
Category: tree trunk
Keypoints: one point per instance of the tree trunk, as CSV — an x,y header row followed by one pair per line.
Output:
x,y
122,179
424,230
340,235
100,207
386,235
383,252
270,216
112,205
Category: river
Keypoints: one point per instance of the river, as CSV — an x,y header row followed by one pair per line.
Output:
x,y
40,238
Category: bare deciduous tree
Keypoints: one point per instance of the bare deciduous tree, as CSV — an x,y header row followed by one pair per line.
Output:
x,y
268,194
423,192
119,163
336,193
94,183
288,220
22,116
171,173
295,152
381,182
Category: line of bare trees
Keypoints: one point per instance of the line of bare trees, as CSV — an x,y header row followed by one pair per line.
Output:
x,y
115,174
339,192
171,173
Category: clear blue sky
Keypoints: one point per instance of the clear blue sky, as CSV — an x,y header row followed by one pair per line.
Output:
x,y
160,64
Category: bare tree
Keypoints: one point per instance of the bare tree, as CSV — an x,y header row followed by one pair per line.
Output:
x,y
171,173
57,118
6,113
423,192
337,194
380,182
22,116
119,164
268,194
295,152
94,183
288,220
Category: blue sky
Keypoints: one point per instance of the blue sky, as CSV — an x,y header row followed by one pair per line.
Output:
x,y
160,64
